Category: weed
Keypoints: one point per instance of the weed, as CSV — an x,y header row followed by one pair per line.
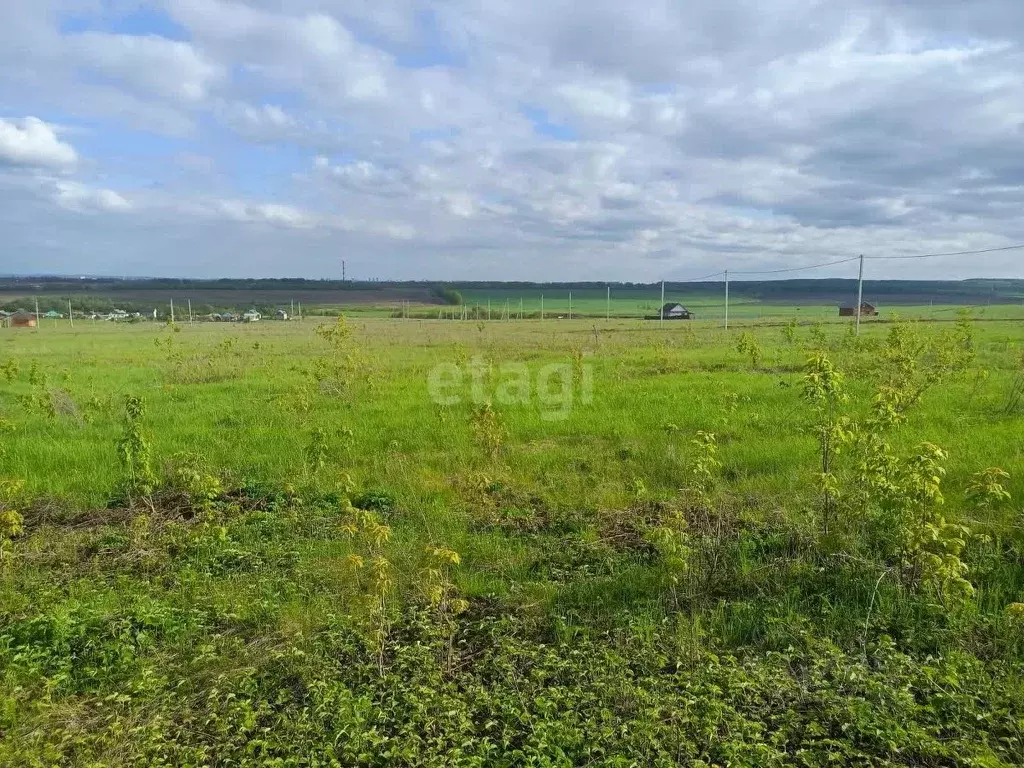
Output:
x,y
934,546
202,487
10,369
134,452
747,344
789,331
12,524
377,500
36,376
443,596
988,488
374,571
819,339
706,466
316,450
823,389
730,403
488,430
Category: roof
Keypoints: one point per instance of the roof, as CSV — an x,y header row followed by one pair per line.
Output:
x,y
854,306
673,305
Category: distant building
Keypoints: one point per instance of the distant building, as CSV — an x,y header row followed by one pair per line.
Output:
x,y
672,311
53,315
850,310
251,316
281,315
21,319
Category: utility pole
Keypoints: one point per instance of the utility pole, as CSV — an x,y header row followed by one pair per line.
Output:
x,y
172,311
292,313
71,315
488,309
542,306
570,305
190,311
37,313
727,299
608,303
343,270
520,307
860,292
661,311
300,311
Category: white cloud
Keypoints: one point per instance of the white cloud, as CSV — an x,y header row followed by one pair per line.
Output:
x,y
32,142
147,65
609,101
312,52
75,196
266,213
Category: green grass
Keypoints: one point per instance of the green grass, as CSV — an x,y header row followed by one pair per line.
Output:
x,y
169,633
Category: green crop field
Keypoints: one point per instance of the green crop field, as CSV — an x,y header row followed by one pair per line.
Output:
x,y
371,541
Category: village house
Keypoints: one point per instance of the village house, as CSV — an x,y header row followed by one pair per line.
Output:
x,y
850,310
673,311
21,319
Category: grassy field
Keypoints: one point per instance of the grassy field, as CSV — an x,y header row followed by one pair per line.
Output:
x,y
559,543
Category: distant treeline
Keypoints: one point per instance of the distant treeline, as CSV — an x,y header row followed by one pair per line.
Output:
x,y
106,284
53,284
452,292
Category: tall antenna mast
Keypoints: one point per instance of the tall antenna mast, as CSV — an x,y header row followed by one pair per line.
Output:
x,y
343,270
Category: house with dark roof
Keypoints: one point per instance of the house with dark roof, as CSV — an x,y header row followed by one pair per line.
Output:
x,y
672,311
850,310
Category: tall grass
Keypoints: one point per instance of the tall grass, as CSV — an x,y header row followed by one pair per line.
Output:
x,y
302,552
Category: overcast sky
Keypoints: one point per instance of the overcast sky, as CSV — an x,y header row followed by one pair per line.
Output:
x,y
527,139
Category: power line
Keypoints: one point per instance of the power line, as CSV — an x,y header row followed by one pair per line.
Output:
x,y
698,279
769,271
952,253
794,269
785,270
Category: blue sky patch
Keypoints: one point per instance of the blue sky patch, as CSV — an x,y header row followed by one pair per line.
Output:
x,y
544,126
140,22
